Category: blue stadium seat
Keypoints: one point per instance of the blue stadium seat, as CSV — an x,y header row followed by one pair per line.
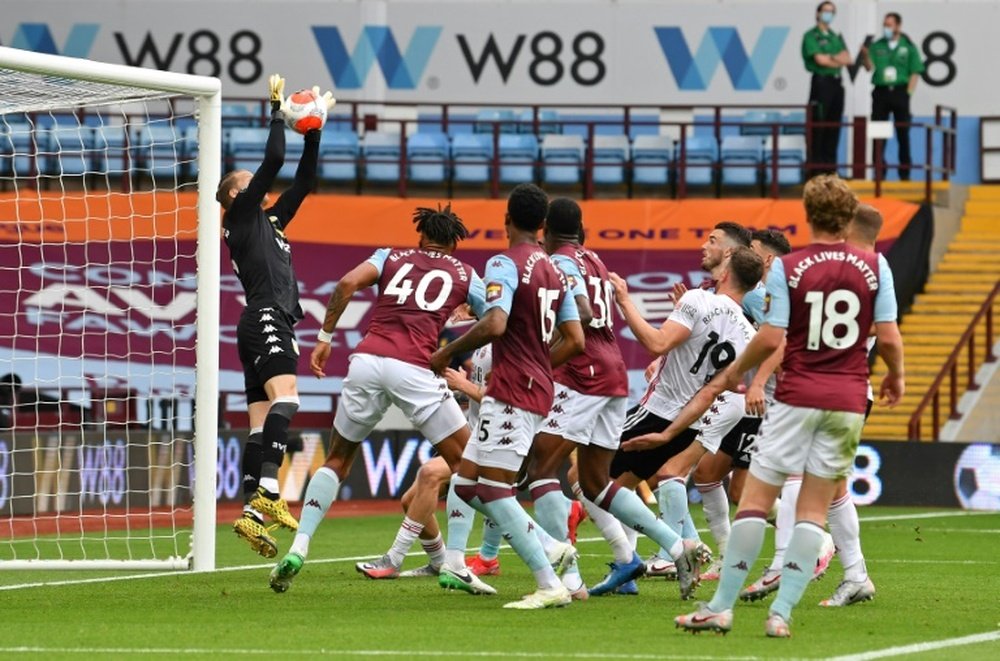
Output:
x,y
116,154
758,122
192,149
795,123
562,159
472,154
430,151
68,151
548,122
611,153
791,159
161,151
295,144
246,148
338,156
651,156
487,117
16,149
741,157
381,152
518,154
239,115
702,153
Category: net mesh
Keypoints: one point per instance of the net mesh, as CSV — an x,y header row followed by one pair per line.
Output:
x,y
97,320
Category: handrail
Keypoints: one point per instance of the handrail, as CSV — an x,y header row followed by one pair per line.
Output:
x,y
950,370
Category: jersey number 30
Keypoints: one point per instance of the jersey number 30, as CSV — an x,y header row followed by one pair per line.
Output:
x,y
830,312
401,287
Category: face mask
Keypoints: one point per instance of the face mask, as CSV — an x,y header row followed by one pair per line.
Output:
x,y
826,17
890,34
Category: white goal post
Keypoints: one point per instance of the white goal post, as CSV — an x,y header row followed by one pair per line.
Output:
x,y
109,315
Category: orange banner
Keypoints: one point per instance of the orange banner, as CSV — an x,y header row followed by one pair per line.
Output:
x,y
382,221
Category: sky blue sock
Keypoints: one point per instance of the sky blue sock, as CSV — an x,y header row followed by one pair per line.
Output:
x,y
797,570
689,531
460,518
672,498
633,513
518,529
552,513
492,536
320,494
745,542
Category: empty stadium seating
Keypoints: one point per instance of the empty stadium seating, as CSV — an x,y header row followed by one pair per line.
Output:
x,y
428,154
610,158
651,159
518,154
381,152
791,156
472,154
741,156
562,159
702,154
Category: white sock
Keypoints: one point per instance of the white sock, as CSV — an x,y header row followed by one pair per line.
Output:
x,y
408,532
434,548
715,504
611,528
846,532
269,484
786,520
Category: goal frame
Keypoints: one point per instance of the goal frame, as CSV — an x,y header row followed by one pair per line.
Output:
x,y
207,92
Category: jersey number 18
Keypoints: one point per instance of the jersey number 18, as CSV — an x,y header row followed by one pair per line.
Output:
x,y
827,313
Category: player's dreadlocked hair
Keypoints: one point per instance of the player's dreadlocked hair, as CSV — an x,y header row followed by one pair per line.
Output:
x,y
440,226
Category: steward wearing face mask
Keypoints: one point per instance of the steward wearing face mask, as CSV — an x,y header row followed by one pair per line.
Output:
x,y
897,67
824,54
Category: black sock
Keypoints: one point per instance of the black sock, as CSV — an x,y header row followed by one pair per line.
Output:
x,y
275,442
253,455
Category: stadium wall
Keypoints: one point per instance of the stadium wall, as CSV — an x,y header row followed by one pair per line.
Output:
x,y
677,52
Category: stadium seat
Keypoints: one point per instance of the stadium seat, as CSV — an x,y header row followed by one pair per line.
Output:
x,y
518,154
611,153
239,115
294,146
430,151
68,150
741,156
562,159
487,117
246,148
161,150
472,153
116,156
758,122
381,155
702,154
795,123
548,122
651,155
338,156
16,149
791,159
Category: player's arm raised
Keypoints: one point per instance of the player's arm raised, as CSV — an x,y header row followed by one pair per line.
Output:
x,y
361,276
274,150
657,341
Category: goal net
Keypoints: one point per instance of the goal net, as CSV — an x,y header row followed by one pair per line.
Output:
x,y
109,267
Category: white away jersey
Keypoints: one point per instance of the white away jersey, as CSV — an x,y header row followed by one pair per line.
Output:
x,y
482,363
719,332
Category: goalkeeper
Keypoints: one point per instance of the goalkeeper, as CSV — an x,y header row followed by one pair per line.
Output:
x,y
262,259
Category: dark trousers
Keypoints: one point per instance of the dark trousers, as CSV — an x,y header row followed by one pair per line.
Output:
x,y
894,101
826,98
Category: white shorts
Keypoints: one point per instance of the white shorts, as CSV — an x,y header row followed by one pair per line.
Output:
x,y
503,437
375,382
721,417
795,440
586,419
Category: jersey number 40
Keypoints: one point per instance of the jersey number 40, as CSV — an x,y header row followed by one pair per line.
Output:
x,y
402,287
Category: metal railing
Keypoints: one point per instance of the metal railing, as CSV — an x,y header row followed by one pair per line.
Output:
x,y
949,371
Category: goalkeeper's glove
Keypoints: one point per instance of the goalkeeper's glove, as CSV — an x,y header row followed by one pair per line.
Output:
x,y
328,98
276,88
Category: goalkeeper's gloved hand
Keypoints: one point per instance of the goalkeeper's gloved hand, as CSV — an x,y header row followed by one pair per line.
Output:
x,y
328,98
276,88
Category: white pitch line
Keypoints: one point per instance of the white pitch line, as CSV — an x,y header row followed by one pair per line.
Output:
x,y
112,579
917,648
175,651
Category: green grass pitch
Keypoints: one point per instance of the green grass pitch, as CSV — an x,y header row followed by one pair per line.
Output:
x,y
937,573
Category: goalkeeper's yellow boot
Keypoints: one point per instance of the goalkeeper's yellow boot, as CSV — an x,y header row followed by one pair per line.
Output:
x,y
251,529
274,507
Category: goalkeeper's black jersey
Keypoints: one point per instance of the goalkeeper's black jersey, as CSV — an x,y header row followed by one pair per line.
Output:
x,y
260,253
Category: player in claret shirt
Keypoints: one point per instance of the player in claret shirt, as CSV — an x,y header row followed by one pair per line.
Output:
x,y
418,290
822,300
527,302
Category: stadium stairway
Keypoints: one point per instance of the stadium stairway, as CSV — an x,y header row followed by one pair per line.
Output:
x,y
909,191
954,293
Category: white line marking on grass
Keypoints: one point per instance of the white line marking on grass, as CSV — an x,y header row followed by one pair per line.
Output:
x,y
176,651
916,648
111,579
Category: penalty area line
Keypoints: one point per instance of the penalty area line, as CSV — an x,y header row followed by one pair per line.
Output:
x,y
917,648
